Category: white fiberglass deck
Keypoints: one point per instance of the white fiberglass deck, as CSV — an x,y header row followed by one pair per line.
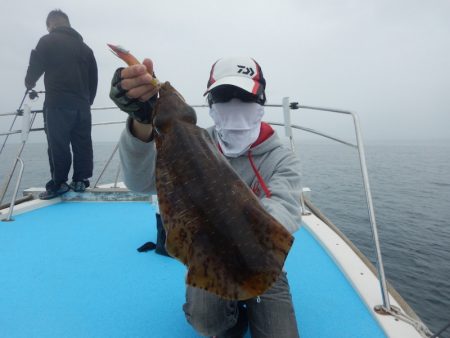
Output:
x,y
72,270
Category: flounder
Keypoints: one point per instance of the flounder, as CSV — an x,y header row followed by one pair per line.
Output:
x,y
214,223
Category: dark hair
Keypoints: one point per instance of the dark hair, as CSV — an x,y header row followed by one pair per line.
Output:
x,y
57,18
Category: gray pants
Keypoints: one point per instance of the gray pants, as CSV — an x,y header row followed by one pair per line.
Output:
x,y
270,316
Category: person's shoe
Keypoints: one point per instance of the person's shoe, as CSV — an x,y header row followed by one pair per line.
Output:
x,y
149,246
52,190
79,186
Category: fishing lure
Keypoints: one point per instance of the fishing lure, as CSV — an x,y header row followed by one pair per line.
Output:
x,y
129,58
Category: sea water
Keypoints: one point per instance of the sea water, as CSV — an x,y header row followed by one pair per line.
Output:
x,y
410,184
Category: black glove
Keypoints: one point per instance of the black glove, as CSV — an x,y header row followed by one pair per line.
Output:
x,y
138,110
32,94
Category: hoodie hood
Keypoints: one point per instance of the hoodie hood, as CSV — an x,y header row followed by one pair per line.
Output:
x,y
67,30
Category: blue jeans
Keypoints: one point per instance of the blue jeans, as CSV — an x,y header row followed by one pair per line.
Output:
x,y
270,316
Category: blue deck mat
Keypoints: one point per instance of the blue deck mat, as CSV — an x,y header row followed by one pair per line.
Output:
x,y
72,270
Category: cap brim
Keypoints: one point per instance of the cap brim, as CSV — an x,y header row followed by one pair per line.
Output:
x,y
244,83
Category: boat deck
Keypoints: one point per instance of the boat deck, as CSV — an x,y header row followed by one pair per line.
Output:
x,y
72,270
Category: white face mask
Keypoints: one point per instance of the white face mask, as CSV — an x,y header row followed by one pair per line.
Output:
x,y
237,124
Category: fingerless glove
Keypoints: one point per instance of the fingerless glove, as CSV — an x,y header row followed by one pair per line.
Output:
x,y
138,110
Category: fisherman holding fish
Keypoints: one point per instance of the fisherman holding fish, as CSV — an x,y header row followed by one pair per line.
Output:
x,y
236,97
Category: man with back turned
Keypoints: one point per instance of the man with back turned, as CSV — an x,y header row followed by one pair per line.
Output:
x,y
70,81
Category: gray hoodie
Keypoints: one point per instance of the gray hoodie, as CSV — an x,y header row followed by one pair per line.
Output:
x,y
278,167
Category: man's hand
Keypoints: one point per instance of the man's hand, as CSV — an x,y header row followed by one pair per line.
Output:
x,y
139,81
29,86
134,90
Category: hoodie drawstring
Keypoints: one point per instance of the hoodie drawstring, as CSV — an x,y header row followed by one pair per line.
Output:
x,y
258,176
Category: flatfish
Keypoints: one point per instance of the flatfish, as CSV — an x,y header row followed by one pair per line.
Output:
x,y
214,223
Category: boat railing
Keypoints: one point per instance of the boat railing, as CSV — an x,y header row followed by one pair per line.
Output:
x,y
27,122
28,118
29,115
287,106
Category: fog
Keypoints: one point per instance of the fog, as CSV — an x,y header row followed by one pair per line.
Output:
x,y
388,61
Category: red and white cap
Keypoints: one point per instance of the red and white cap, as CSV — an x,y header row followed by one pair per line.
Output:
x,y
242,72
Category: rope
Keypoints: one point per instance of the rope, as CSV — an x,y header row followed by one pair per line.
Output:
x,y
417,324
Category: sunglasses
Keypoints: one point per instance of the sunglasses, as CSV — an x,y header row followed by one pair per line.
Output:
x,y
225,93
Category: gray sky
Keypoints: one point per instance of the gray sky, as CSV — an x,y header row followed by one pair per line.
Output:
x,y
389,61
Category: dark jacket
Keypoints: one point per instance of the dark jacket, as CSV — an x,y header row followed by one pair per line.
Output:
x,y
70,69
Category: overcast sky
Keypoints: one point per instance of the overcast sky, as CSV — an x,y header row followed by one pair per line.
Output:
x,y
389,61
